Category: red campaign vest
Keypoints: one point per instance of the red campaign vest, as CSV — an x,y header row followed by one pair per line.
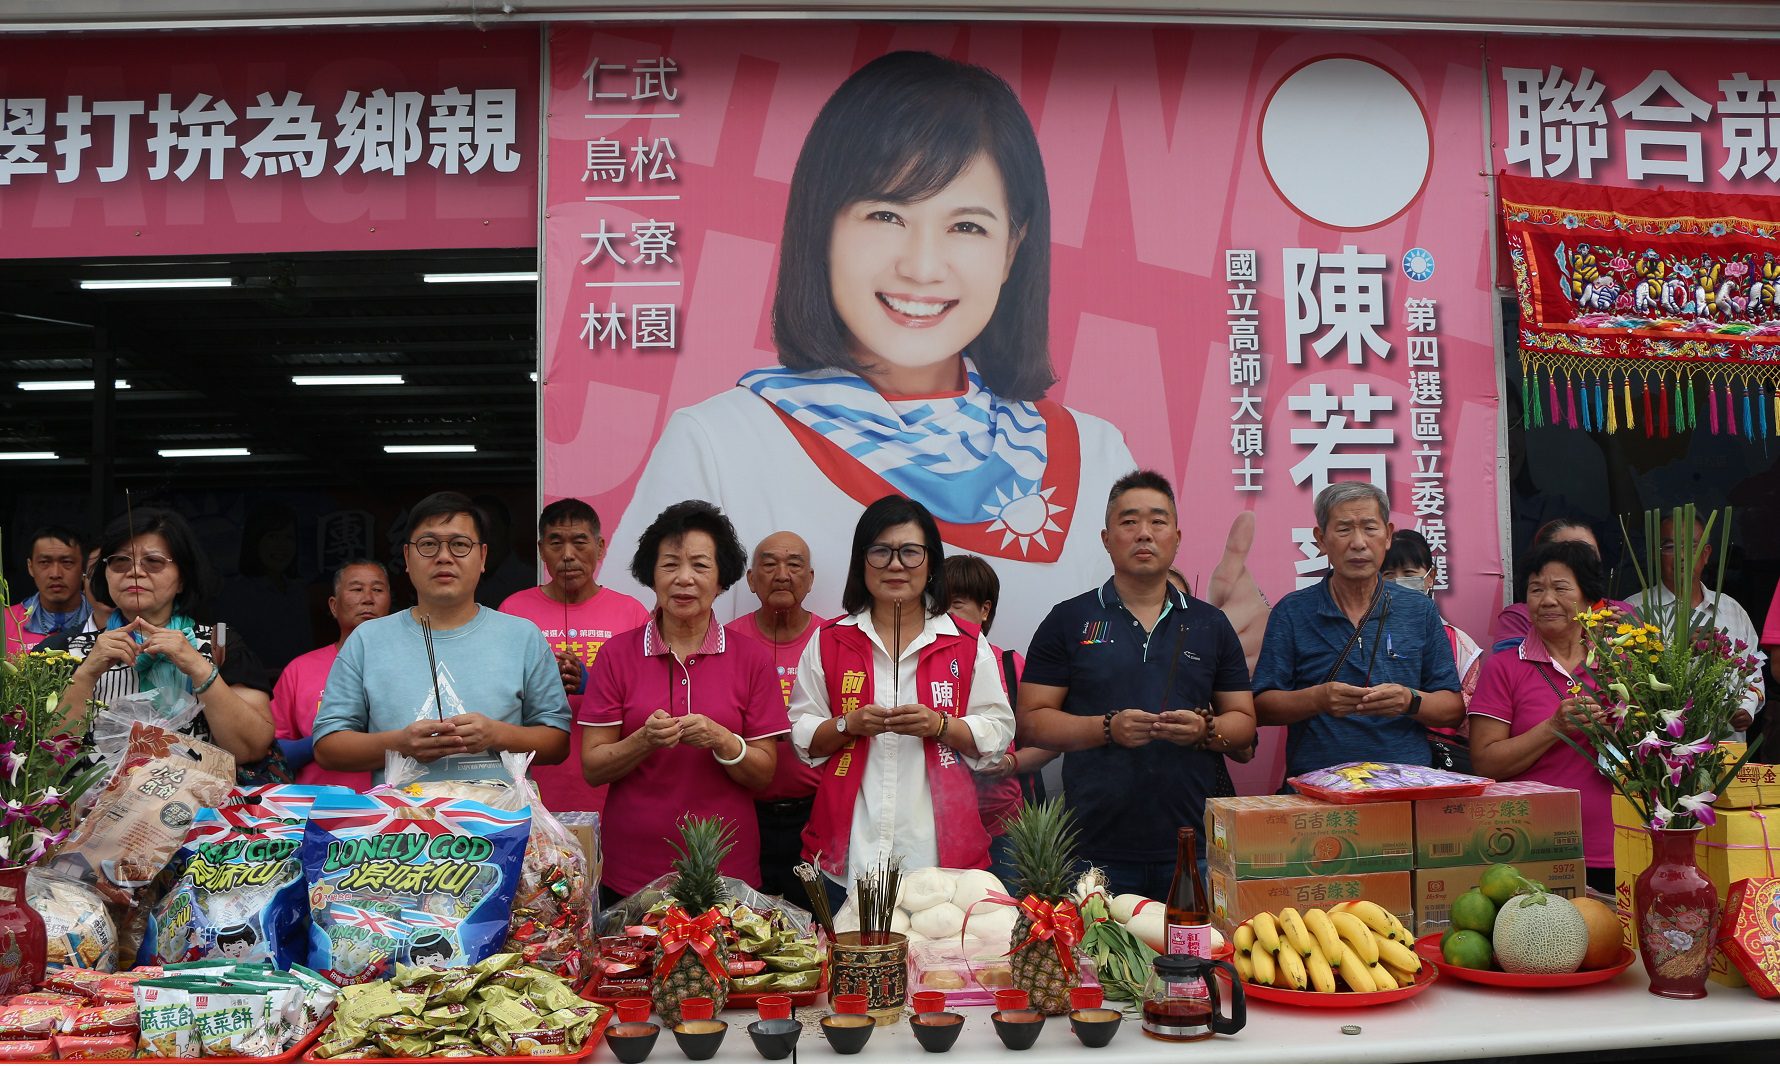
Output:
x,y
847,665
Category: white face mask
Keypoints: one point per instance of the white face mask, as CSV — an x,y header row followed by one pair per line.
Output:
x,y
1414,583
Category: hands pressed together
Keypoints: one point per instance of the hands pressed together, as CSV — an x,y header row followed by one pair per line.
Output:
x,y
430,740
1382,701
1188,727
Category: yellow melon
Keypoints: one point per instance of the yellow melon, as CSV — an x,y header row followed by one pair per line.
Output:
x,y
1604,933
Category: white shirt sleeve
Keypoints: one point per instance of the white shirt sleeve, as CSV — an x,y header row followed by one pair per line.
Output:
x,y
809,701
989,718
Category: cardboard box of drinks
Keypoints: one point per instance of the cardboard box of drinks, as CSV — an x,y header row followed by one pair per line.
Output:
x,y
1295,836
1436,889
1740,844
1512,821
1235,900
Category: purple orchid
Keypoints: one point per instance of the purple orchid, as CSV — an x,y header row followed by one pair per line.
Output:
x,y
1700,806
61,747
1650,745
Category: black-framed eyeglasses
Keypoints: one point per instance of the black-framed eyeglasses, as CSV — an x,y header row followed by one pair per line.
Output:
x,y
123,564
429,546
912,555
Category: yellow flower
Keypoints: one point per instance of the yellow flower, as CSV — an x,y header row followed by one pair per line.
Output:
x,y
1656,658
1623,628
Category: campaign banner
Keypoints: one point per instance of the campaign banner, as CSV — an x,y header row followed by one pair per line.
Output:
x,y
169,144
1255,261
1681,114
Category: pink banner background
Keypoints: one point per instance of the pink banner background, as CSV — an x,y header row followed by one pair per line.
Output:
x,y
41,218
1150,140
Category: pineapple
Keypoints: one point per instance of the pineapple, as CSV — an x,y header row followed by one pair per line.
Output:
x,y
697,888
1042,842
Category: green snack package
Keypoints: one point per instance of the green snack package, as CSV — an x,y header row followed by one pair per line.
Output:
x,y
541,1043
506,960
284,1011
406,1045
232,1024
800,981
451,1016
319,993
164,1016
794,957
508,1015
551,994
459,1051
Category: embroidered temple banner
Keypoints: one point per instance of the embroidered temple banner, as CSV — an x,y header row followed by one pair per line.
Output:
x,y
1648,310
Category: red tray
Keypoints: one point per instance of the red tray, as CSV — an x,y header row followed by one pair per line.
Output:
x,y
290,1055
1386,795
1428,947
587,1052
1338,1000
736,999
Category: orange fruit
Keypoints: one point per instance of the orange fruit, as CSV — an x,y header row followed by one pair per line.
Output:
x,y
1604,933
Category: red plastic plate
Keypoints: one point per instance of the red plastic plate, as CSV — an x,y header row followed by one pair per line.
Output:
x,y
1338,1000
587,1052
1428,947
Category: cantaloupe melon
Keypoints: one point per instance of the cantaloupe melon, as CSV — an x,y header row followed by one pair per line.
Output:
x,y
1538,932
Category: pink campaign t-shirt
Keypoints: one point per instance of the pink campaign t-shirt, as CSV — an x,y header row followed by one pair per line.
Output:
x,y
1522,686
581,628
792,777
295,699
728,680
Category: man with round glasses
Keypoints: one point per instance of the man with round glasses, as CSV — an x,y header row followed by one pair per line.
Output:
x,y
448,682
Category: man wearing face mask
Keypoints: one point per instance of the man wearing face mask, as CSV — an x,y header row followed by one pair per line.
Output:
x,y
1410,563
577,615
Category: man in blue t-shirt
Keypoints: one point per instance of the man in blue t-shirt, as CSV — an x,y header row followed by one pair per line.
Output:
x,y
481,683
1355,667
1144,688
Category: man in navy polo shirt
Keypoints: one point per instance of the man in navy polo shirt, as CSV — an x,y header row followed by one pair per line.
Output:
x,y
1144,687
1355,666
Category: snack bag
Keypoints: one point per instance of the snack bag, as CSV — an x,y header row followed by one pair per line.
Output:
x,y
292,802
232,1023
554,907
240,894
80,930
396,877
149,801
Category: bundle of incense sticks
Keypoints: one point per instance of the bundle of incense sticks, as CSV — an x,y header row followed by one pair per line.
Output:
x,y
874,895
818,893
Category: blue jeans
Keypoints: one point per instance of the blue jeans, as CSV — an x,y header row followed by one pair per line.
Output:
x,y
1151,879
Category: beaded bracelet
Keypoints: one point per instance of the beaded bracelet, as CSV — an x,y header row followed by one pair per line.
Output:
x,y
1106,727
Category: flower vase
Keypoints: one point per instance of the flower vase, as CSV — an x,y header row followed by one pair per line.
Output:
x,y
23,942
1676,908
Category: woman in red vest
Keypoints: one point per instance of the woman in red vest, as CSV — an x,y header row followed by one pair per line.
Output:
x,y
896,704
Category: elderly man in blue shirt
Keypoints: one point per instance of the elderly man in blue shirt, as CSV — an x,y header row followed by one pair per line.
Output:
x,y
1355,667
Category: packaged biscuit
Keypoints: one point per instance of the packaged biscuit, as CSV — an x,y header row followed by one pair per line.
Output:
x,y
239,893
26,1020
75,981
105,1019
396,878
232,1023
164,1017
82,1048
80,930
27,1050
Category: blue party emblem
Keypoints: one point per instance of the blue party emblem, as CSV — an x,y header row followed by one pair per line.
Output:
x,y
1418,264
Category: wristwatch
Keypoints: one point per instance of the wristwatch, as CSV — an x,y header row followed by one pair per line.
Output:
x,y
1415,703
840,724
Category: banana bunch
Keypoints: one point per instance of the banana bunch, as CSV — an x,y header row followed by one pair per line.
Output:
x,y
1354,946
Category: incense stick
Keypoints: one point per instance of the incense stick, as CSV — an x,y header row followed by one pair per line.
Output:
x,y
874,894
896,656
818,893
426,635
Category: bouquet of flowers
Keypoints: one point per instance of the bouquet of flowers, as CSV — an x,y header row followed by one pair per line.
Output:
x,y
42,769
1669,686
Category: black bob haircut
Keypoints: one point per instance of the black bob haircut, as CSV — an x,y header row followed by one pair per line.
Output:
x,y
1579,557
970,577
1408,548
448,505
881,515
568,511
900,130
689,516
196,578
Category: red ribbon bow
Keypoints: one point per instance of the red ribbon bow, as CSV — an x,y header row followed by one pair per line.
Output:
x,y
680,931
1060,923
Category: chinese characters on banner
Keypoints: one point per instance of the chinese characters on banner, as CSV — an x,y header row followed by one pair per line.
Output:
x,y
1211,307
641,254
454,131
1641,113
287,143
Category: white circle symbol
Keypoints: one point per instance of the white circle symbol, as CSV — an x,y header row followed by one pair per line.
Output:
x,y
1345,143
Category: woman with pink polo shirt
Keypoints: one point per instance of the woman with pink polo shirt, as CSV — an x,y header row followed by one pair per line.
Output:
x,y
679,716
897,704
1524,699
